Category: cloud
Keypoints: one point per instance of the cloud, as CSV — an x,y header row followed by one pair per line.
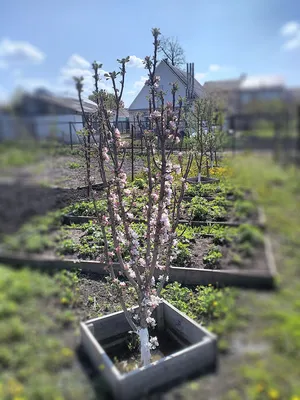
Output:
x,y
290,28
131,92
76,61
211,68
214,67
19,52
200,75
136,62
77,66
140,83
291,31
33,83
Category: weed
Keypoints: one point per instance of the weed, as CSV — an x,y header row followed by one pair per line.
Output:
x,y
73,165
214,308
67,246
212,257
204,210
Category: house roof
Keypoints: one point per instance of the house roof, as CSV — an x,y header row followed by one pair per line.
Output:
x,y
68,102
222,85
182,75
244,83
262,82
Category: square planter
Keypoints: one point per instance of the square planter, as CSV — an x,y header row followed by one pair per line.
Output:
x,y
197,354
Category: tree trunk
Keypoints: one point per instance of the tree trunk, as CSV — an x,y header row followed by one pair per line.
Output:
x,y
145,349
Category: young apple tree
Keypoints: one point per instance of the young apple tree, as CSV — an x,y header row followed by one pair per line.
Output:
x,y
144,252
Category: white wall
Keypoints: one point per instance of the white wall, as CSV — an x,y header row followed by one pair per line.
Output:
x,y
166,77
40,127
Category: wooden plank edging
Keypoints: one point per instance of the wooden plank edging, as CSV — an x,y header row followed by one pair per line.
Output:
x,y
186,276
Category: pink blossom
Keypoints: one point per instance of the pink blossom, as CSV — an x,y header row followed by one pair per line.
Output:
x,y
155,196
123,284
142,262
117,133
172,125
177,139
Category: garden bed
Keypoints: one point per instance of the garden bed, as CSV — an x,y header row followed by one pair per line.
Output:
x,y
204,180
217,255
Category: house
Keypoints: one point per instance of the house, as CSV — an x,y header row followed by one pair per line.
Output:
x,y
225,92
41,115
249,97
168,74
123,120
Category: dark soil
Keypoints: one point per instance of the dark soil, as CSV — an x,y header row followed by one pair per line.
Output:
x,y
19,202
201,246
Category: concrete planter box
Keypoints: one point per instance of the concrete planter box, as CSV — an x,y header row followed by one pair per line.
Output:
x,y
261,221
204,180
199,355
239,278
69,219
187,276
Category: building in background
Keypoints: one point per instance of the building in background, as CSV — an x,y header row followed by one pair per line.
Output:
x,y
41,115
168,74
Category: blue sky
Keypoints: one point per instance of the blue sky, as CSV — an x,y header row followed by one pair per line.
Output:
x,y
46,43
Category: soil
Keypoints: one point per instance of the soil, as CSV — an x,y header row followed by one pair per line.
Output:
x,y
20,202
202,245
47,185
230,217
127,359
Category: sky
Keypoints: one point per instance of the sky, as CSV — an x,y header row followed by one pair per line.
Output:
x,y
45,44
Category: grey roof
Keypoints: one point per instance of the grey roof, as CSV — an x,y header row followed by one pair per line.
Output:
x,y
198,88
229,84
69,102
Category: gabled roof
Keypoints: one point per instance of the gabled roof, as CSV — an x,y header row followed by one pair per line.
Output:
x,y
198,88
179,75
262,82
222,85
68,102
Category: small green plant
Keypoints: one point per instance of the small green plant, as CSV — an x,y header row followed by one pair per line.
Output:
x,y
204,210
237,259
249,233
212,257
244,208
140,183
183,255
73,165
67,246
212,307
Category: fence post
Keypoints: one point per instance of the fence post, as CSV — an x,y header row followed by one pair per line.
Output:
x,y
70,131
132,159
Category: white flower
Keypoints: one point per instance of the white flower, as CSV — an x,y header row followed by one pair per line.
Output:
x,y
151,321
154,342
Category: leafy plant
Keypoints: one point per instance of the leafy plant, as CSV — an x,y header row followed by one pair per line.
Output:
x,y
67,246
244,208
73,165
212,257
204,210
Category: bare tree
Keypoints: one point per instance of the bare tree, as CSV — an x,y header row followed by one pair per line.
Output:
x,y
170,47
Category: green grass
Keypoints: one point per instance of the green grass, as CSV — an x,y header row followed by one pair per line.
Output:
x,y
17,156
274,373
38,337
